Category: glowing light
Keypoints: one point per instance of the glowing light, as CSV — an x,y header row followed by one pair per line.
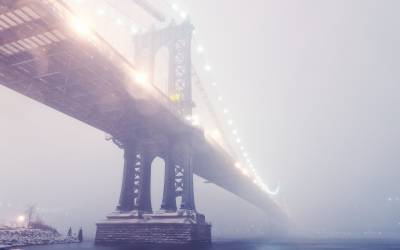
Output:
x,y
242,148
213,84
238,140
141,78
207,68
21,219
195,120
220,98
245,155
175,97
216,134
238,165
183,14
175,7
271,192
80,26
226,111
245,172
134,30
200,49
230,122
234,132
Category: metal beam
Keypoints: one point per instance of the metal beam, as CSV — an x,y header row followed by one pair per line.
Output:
x,y
26,30
150,9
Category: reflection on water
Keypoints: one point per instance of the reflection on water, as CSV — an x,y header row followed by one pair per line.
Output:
x,y
249,245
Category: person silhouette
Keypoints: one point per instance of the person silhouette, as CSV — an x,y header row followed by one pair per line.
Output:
x,y
80,235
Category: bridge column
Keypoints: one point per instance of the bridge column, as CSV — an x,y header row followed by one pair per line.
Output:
x,y
145,185
169,196
126,200
188,192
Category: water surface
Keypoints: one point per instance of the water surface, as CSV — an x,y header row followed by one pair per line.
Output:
x,y
249,245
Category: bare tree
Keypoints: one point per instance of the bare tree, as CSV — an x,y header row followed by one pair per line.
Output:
x,y
30,213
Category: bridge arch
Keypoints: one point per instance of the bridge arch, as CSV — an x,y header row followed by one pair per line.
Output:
x,y
157,182
161,69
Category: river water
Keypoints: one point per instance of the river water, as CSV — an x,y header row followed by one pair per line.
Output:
x,y
249,245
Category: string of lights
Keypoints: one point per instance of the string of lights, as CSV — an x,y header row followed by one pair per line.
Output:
x,y
248,167
244,164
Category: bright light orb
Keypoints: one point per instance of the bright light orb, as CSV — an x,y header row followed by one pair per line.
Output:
x,y
238,165
271,192
200,49
175,7
183,15
141,78
134,30
245,172
80,26
21,219
216,135
195,120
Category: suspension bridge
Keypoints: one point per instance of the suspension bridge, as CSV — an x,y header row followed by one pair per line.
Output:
x,y
48,53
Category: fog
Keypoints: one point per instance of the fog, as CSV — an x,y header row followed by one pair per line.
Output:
x,y
313,87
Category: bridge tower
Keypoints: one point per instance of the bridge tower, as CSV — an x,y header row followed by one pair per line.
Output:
x,y
177,39
134,221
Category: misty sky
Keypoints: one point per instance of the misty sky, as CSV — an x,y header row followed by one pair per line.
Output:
x,y
313,88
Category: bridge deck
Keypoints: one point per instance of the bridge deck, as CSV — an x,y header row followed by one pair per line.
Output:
x,y
47,57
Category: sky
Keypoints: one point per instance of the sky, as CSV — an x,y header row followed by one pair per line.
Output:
x,y
313,89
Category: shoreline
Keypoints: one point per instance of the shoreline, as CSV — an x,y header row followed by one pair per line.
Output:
x,y
22,237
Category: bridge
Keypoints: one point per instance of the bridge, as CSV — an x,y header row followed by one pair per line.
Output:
x,y
48,54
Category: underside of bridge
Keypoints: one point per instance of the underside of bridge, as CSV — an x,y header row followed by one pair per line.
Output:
x,y
46,55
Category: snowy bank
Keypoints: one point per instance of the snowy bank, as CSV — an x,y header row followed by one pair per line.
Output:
x,y
29,237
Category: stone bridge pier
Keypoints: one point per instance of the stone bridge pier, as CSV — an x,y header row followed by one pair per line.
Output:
x,y
134,221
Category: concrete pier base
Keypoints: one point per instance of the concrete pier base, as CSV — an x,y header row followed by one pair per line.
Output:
x,y
180,228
